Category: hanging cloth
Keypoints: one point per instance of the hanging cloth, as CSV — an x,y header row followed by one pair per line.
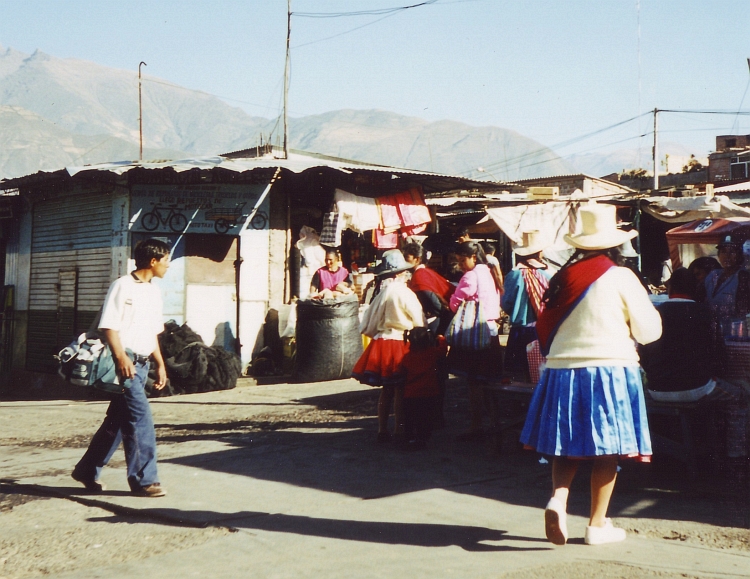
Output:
x,y
411,207
357,213
390,220
384,240
331,234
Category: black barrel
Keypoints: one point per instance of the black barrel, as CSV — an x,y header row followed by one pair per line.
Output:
x,y
328,340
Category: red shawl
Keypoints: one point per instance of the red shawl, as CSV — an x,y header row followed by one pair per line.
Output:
x,y
425,279
576,280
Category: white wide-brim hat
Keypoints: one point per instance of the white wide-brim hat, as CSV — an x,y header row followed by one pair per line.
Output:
x,y
598,228
531,242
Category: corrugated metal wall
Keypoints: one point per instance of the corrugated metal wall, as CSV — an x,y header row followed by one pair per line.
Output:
x,y
71,254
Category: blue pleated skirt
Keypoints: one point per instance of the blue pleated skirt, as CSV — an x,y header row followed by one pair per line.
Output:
x,y
589,412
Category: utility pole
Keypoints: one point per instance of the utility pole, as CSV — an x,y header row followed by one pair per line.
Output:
x,y
140,113
286,74
656,149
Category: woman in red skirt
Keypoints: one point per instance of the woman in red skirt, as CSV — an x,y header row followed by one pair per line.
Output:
x,y
394,310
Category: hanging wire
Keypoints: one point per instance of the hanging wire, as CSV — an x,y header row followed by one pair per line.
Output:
x,y
499,165
388,12
375,12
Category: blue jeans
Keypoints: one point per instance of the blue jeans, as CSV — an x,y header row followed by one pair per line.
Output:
x,y
128,420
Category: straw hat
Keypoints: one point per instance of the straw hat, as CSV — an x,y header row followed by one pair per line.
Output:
x,y
393,263
626,250
599,228
531,242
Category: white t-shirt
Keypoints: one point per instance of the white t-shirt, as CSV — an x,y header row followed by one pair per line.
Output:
x,y
134,309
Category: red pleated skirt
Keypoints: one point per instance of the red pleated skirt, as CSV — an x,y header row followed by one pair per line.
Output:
x,y
380,363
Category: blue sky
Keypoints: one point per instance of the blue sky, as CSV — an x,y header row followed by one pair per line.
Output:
x,y
548,69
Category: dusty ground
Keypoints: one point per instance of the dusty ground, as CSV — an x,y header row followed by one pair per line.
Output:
x,y
42,534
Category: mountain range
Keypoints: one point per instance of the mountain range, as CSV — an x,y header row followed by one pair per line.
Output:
x,y
65,112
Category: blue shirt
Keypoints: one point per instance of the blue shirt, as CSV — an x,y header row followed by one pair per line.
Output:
x,y
515,300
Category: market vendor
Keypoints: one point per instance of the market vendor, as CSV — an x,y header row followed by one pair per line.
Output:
x,y
331,280
728,289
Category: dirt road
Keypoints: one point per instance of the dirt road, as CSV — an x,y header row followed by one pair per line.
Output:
x,y
43,532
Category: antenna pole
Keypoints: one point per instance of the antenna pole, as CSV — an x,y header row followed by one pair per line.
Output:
x,y
286,75
656,149
140,113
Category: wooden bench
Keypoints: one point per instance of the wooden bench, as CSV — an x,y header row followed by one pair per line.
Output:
x,y
502,397
682,447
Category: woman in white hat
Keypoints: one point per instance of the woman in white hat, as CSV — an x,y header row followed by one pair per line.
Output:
x,y
589,402
524,287
394,310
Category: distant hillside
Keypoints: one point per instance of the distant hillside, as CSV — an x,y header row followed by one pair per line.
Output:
x,y
60,112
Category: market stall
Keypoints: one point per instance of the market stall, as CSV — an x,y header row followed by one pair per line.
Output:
x,y
699,238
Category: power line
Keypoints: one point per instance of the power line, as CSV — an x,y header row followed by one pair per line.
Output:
x,y
375,12
387,12
502,165
345,32
701,112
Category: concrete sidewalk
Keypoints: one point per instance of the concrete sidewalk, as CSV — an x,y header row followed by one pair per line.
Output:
x,y
323,500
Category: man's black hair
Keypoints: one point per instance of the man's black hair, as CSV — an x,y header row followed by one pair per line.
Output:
x,y
147,250
419,338
413,249
682,282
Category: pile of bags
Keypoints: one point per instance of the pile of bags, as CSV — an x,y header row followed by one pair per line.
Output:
x,y
192,366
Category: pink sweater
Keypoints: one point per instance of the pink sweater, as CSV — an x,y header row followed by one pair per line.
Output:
x,y
478,284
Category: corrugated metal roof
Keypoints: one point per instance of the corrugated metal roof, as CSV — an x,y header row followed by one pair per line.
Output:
x,y
297,162
742,186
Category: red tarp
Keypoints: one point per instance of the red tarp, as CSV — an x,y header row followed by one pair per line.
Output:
x,y
705,232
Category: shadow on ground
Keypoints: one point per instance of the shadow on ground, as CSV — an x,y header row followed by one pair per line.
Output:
x,y
468,538
341,456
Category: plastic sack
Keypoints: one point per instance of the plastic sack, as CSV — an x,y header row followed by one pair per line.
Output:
x,y
310,249
328,340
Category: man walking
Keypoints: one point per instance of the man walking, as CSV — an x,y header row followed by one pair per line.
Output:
x,y
131,319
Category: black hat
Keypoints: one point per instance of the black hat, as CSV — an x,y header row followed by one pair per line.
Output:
x,y
729,240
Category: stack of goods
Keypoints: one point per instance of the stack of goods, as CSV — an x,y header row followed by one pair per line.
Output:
x,y
192,366
360,283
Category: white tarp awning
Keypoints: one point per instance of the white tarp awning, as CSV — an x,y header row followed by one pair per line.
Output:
x,y
553,219
685,209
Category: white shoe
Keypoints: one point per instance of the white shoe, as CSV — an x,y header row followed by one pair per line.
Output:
x,y
555,522
606,534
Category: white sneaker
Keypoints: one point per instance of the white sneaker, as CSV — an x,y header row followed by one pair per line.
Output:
x,y
606,534
555,522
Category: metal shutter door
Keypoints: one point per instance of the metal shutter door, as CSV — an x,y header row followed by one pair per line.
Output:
x,y
71,254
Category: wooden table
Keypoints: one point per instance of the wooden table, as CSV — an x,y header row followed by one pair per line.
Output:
x,y
508,404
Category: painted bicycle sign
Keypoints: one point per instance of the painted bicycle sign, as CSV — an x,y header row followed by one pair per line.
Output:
x,y
202,208
169,216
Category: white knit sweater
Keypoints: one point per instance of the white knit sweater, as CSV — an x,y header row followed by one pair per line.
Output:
x,y
393,310
603,328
